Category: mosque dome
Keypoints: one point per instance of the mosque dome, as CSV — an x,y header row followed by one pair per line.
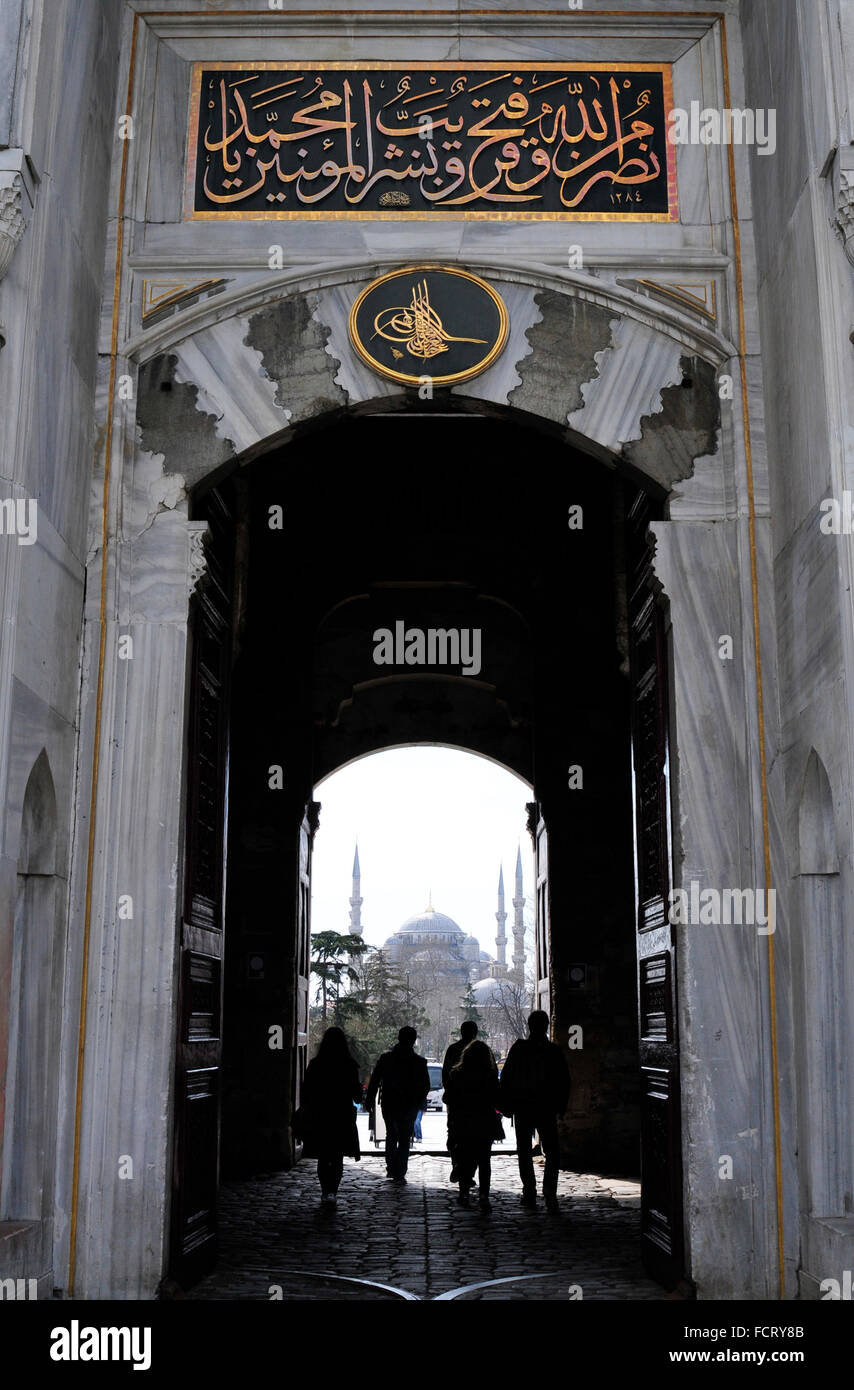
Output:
x,y
487,992
434,941
430,922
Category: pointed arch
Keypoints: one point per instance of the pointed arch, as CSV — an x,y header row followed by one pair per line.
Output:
x,y
37,851
31,1079
817,842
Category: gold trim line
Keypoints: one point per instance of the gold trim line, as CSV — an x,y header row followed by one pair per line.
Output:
x,y
760,705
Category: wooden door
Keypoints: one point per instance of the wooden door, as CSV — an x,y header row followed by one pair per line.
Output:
x,y
195,1169
542,931
308,828
661,1156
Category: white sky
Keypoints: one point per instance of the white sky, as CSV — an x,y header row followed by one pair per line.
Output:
x,y
426,819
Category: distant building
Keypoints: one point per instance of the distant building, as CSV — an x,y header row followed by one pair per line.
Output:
x,y
431,934
488,991
433,943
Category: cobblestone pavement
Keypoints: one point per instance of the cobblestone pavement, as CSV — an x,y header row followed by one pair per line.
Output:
x,y
415,1241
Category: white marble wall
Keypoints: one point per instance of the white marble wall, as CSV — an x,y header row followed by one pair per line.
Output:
x,y
800,58
57,79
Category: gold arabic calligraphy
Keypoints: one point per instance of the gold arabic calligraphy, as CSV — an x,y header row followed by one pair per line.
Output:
x,y
417,326
545,141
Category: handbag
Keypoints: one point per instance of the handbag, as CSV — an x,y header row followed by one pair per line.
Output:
x,y
301,1123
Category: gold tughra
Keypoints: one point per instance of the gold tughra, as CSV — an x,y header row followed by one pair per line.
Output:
x,y
411,326
418,326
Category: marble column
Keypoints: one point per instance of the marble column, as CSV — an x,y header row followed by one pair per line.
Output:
x,y
130,1035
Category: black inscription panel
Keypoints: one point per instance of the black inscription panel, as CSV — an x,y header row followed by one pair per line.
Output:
x,y
536,141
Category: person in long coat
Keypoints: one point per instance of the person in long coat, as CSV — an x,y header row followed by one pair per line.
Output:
x,y
473,1099
326,1120
468,1030
535,1086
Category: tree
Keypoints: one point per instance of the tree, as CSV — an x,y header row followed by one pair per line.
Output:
x,y
469,1007
436,974
378,1004
512,1002
332,953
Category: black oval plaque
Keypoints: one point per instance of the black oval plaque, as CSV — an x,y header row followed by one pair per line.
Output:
x,y
429,321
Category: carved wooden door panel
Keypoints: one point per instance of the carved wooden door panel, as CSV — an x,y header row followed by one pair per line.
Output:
x,y
661,1157
542,950
195,1169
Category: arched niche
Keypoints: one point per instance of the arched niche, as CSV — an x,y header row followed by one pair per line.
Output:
x,y
37,851
31,1069
817,844
819,972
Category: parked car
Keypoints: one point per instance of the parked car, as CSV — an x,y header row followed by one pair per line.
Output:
x,y
434,1096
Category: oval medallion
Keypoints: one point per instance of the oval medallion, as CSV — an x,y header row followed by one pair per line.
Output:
x,y
429,321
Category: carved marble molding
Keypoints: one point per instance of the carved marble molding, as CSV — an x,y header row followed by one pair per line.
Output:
x,y
845,200
11,216
197,560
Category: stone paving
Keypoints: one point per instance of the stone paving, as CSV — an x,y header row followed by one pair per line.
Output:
x,y
415,1241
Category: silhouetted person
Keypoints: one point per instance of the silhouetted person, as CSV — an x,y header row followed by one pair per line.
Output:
x,y
326,1119
468,1031
535,1091
473,1099
402,1080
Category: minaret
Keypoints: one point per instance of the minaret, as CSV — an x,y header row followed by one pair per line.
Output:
x,y
501,918
519,923
356,900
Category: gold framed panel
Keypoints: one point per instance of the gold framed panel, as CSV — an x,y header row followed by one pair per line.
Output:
x,y
225,65
453,378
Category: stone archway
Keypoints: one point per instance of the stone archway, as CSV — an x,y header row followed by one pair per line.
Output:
x,y
633,384
450,545
614,375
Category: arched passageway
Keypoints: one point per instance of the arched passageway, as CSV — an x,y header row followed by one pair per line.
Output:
x,y
334,564
422,858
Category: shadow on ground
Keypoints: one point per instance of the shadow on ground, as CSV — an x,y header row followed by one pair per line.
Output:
x,y
387,1242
